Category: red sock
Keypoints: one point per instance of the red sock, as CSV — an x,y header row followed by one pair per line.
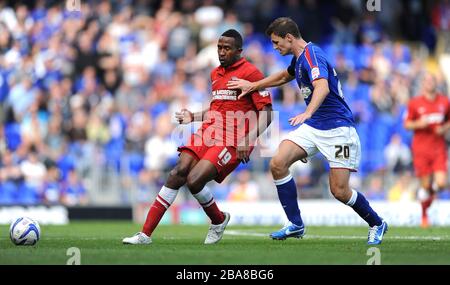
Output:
x,y
425,205
214,213
155,214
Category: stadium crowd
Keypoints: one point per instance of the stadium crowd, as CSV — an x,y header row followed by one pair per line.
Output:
x,y
87,97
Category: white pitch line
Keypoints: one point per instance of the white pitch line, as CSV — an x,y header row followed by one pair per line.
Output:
x,y
244,233
65,238
307,236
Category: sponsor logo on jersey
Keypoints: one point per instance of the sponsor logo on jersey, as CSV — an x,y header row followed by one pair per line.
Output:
x,y
224,94
315,73
434,118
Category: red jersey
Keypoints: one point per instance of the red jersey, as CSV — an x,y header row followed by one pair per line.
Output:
x,y
229,120
436,113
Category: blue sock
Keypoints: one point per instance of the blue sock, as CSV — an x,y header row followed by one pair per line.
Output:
x,y
287,193
362,207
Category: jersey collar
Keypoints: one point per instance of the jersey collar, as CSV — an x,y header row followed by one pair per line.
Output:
x,y
304,50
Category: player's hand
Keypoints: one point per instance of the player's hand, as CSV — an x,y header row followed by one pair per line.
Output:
x,y
184,116
421,123
244,85
299,119
440,130
243,153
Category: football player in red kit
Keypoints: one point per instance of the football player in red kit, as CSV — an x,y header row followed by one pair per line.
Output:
x,y
429,117
230,128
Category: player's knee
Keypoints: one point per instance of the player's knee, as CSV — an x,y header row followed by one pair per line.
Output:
x,y
180,171
177,177
340,192
278,166
194,184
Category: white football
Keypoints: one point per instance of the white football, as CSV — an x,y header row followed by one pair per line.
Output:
x,y
24,231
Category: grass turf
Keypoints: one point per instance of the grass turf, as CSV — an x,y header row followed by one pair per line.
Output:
x,y
100,243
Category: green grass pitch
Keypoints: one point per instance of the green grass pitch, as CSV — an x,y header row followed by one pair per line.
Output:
x,y
100,243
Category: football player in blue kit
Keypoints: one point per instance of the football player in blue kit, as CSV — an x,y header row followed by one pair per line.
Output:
x,y
326,126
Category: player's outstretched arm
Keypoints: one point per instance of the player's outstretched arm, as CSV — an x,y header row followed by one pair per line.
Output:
x,y
248,87
185,116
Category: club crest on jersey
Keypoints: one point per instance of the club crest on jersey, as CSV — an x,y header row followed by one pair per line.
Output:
x,y
305,91
264,93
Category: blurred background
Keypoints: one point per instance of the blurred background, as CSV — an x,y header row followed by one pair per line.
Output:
x,y
88,91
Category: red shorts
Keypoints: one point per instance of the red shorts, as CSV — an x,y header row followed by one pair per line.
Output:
x,y
427,163
224,158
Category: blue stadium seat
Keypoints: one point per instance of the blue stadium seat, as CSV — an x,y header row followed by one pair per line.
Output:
x,y
27,195
8,191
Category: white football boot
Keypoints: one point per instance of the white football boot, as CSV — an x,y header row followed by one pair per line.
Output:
x,y
139,238
215,232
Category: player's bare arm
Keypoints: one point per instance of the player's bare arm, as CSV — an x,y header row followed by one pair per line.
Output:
x,y
416,124
321,90
248,87
264,120
186,117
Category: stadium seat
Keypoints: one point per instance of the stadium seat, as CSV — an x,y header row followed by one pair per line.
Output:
x,y
7,193
27,195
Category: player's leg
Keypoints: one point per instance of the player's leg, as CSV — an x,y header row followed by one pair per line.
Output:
x,y
204,172
288,153
177,178
200,175
425,197
441,180
342,148
430,185
440,169
340,188
423,168
166,196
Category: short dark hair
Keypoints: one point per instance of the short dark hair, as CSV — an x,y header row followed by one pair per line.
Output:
x,y
283,26
232,33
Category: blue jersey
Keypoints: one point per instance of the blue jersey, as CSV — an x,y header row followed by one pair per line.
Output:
x,y
312,65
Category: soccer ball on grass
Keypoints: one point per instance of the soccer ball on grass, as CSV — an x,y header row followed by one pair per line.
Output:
x,y
24,231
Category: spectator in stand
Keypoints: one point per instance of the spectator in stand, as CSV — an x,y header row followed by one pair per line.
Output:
x,y
244,189
73,191
397,155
